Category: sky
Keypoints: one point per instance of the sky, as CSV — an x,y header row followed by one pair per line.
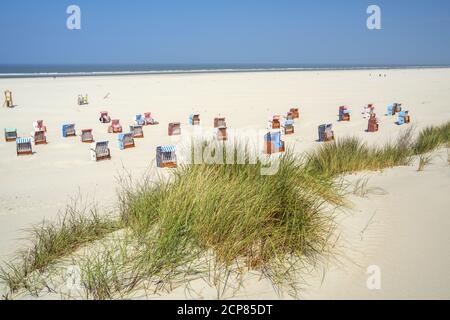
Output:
x,y
413,32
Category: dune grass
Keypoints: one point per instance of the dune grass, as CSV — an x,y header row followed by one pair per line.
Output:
x,y
349,155
431,138
51,241
229,212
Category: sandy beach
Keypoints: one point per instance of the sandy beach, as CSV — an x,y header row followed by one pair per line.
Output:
x,y
403,229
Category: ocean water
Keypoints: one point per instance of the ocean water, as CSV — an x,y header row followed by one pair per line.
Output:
x,y
25,71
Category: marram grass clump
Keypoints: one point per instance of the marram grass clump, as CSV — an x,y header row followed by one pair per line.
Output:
x,y
237,212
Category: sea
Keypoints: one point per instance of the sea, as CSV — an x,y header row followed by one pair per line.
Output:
x,y
58,70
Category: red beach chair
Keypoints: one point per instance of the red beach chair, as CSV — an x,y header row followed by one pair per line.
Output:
x,y
87,136
373,123
39,137
104,117
115,126
174,129
219,122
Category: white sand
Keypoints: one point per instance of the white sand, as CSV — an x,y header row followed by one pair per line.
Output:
x,y
408,237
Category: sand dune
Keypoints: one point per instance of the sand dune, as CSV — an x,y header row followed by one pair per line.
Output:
x,y
407,237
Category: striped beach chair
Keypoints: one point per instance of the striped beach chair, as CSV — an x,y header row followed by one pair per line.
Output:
x,y
221,133
403,117
10,134
273,143
393,109
104,117
373,123
139,120
126,141
174,129
220,122
166,157
24,146
68,130
149,120
115,126
100,151
39,126
87,136
275,123
295,113
326,132
344,114
194,119
287,126
137,131
39,137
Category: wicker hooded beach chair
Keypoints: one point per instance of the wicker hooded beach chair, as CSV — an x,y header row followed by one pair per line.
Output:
x,y
10,134
166,157
100,151
24,146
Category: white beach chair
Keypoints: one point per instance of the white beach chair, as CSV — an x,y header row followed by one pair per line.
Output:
x,y
24,146
100,151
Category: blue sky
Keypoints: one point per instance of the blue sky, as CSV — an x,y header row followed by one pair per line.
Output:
x,y
225,31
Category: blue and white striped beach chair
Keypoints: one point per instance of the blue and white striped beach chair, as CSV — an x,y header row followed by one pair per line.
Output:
x,y
24,146
139,120
326,132
194,119
137,131
126,141
166,157
273,142
100,151
68,130
10,134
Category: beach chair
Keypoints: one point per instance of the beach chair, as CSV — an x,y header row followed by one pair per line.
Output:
x,y
397,108
10,134
287,126
115,126
273,143
83,100
100,151
393,109
275,123
403,117
295,113
8,99
344,114
39,137
104,117
166,157
139,120
219,122
326,132
23,146
149,120
68,130
221,133
137,131
87,136
126,141
373,123
194,119
39,126
174,129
